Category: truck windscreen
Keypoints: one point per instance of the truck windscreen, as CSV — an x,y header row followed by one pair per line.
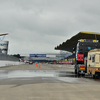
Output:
x,y
84,47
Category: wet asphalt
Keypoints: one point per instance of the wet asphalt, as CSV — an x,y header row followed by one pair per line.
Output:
x,y
47,73
50,82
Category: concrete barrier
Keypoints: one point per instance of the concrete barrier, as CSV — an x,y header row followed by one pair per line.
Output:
x,y
10,63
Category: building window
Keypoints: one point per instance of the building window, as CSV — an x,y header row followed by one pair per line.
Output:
x,y
89,57
93,58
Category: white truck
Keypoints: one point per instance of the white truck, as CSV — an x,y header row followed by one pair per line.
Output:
x,y
93,63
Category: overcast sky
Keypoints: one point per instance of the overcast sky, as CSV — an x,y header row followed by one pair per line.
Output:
x,y
38,26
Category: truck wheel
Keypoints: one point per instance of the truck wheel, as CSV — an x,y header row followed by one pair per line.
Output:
x,y
96,76
83,75
93,76
78,74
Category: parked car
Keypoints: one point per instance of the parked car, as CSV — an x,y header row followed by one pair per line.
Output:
x,y
30,61
27,61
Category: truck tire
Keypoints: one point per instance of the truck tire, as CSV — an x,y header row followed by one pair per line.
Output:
x,y
83,75
93,76
78,74
96,75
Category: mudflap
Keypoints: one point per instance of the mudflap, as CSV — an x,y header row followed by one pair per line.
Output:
x,y
75,69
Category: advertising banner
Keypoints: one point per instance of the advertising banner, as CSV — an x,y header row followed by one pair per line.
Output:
x,y
4,47
51,56
37,55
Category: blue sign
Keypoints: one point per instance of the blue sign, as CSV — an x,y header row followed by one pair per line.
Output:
x,y
37,55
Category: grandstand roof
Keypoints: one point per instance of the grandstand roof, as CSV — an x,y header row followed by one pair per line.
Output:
x,y
71,43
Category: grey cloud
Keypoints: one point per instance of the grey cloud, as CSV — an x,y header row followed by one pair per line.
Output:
x,y
40,25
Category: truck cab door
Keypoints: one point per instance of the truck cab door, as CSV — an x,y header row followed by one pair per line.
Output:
x,y
97,60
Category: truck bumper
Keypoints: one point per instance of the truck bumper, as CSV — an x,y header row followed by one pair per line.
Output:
x,y
81,71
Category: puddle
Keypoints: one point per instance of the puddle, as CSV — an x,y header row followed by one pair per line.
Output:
x,y
33,73
41,76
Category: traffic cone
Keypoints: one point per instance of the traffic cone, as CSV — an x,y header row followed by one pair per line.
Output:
x,y
55,63
36,65
39,66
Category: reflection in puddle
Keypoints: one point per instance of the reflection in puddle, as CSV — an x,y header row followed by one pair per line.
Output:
x,y
41,76
32,73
